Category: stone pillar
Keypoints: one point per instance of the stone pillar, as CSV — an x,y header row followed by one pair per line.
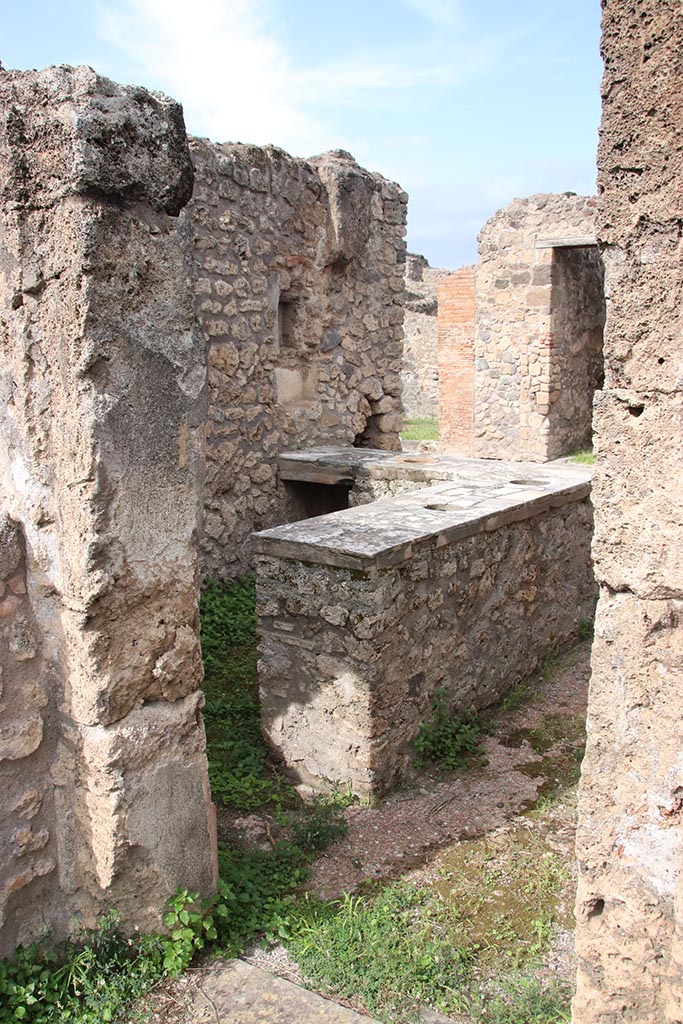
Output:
x,y
630,894
102,763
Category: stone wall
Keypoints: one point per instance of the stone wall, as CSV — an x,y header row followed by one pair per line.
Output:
x,y
537,336
456,360
630,896
366,613
420,372
300,297
102,373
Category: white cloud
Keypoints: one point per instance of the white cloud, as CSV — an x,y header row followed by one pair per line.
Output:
x,y
224,60
221,59
441,12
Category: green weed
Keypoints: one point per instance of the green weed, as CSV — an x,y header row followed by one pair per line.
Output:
x,y
519,695
449,741
238,760
523,1000
391,954
586,629
88,981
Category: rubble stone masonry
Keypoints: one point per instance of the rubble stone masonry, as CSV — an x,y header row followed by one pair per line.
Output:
x,y
365,615
300,298
420,372
538,334
103,776
630,839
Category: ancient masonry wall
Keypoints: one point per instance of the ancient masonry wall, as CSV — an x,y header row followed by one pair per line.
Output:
x,y
420,371
538,332
103,776
456,359
300,297
630,839
355,643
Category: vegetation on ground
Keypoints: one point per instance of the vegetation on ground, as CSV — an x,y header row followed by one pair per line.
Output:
x,y
584,455
452,945
451,741
420,428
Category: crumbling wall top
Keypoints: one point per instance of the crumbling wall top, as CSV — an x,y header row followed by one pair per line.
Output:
x,y
542,216
69,131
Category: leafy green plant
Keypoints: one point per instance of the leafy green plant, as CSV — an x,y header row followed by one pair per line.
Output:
x,y
238,760
451,741
191,924
228,618
87,981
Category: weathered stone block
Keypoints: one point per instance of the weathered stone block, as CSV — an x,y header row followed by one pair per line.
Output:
x,y
69,131
639,535
630,836
102,377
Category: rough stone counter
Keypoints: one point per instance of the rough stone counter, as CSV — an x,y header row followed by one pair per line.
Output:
x,y
366,613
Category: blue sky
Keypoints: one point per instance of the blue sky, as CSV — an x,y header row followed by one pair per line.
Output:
x,y
467,103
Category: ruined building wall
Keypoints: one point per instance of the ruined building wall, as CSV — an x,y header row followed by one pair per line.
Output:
x,y
532,345
456,359
300,297
420,372
630,895
103,776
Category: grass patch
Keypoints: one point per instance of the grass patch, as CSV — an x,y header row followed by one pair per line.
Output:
x,y
584,455
388,955
420,428
412,946
523,999
501,894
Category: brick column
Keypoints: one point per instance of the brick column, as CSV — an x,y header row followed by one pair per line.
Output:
x,y
456,359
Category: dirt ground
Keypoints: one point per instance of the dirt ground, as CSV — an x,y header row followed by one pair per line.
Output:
x,y
523,793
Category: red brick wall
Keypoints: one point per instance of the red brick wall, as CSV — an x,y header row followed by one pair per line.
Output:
x,y
456,359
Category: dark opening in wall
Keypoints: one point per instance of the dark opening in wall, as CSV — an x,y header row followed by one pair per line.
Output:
x,y
576,360
368,438
286,323
318,499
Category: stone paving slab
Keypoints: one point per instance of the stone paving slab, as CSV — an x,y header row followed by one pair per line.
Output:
x,y
476,496
239,993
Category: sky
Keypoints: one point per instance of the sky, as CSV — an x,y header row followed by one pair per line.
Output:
x,y
466,103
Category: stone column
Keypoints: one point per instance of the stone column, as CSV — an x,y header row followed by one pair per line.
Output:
x,y
630,895
101,407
